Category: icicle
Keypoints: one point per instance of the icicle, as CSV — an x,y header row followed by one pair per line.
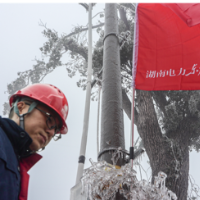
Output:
x,y
116,155
102,181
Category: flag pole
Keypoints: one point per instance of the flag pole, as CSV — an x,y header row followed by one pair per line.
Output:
x,y
87,101
98,114
135,55
132,128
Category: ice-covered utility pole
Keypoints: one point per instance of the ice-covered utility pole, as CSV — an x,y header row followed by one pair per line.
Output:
x,y
87,100
112,126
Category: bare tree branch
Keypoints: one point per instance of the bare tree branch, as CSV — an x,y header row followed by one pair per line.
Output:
x,y
126,103
160,99
124,18
85,5
84,29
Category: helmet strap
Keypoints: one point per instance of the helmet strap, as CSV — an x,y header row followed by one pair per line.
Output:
x,y
21,120
40,149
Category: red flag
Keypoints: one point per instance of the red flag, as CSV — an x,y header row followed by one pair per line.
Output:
x,y
166,50
188,12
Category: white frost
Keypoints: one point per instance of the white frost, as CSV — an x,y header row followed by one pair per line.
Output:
x,y
103,181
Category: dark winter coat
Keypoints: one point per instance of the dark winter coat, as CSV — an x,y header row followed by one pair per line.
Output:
x,y
14,163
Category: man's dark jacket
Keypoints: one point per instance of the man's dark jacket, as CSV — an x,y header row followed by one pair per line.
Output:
x,y
14,143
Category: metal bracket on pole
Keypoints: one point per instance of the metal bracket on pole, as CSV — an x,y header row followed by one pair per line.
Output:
x,y
132,155
111,149
115,34
81,159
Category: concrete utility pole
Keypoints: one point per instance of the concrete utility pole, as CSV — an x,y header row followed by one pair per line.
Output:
x,y
112,124
87,101
75,192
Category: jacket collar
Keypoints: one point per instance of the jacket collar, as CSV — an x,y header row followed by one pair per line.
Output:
x,y
18,137
28,162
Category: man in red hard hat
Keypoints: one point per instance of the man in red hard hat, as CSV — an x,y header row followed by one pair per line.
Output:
x,y
38,113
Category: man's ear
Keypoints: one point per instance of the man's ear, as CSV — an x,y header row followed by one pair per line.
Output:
x,y
21,107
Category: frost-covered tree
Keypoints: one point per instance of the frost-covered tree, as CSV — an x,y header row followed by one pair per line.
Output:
x,y
167,121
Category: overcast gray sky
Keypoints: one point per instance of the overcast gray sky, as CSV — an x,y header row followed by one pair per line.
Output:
x,y
20,40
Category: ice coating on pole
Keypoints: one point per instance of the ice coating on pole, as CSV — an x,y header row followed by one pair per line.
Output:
x,y
103,181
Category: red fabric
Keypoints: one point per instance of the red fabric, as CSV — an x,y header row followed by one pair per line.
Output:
x,y
168,50
25,165
188,12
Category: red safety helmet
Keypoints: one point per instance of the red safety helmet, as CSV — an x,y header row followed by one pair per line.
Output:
x,y
50,96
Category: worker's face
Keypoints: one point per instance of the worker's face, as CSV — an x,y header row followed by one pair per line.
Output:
x,y
36,126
